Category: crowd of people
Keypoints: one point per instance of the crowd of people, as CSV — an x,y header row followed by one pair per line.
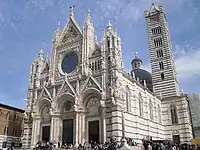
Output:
x,y
113,145
167,145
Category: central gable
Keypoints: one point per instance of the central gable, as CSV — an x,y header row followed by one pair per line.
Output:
x,y
71,31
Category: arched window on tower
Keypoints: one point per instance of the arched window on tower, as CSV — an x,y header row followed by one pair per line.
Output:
x,y
174,117
128,102
151,109
141,112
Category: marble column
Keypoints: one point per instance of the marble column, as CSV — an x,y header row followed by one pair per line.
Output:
x,y
35,130
103,123
75,128
83,136
33,133
55,128
79,128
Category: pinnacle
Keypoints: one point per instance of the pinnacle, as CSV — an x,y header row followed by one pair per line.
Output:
x,y
71,13
41,51
109,24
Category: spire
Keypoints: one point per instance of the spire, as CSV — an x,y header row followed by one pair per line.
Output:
x,y
58,26
136,55
154,7
41,54
109,24
89,16
71,13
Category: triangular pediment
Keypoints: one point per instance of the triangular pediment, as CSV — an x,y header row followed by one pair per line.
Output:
x,y
71,31
45,94
91,82
66,88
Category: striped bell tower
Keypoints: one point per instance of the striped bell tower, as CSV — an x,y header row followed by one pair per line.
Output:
x,y
160,48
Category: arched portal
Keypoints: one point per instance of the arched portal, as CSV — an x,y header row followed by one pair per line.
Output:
x,y
93,122
43,123
65,106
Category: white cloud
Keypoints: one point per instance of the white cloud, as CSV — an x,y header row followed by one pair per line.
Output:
x,y
187,60
39,4
132,10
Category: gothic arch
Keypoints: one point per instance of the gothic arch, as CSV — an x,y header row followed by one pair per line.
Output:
x,y
173,114
62,99
41,103
45,112
88,94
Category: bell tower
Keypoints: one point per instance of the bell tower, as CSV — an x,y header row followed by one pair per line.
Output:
x,y
160,48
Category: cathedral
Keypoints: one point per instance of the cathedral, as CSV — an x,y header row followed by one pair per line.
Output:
x,y
82,93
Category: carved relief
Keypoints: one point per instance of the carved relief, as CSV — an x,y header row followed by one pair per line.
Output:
x,y
70,35
68,106
46,117
93,106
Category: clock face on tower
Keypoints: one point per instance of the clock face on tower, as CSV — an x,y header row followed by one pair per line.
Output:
x,y
69,62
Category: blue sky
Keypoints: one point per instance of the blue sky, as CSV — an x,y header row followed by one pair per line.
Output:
x,y
26,26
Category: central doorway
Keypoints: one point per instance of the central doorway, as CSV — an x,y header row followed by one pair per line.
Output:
x,y
93,127
46,133
67,135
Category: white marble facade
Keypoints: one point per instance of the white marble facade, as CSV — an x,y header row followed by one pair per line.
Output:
x,y
96,89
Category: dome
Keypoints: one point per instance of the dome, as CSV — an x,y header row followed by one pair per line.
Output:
x,y
143,75
135,60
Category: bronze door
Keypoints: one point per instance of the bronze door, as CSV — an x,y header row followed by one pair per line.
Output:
x,y
46,133
67,135
93,131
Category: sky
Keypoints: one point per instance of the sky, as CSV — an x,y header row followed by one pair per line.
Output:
x,y
26,26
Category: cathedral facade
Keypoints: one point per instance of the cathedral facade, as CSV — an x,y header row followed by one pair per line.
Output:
x,y
82,93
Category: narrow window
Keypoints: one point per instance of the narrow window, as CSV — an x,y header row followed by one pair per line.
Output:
x,y
92,66
128,104
113,41
151,109
157,52
155,43
16,116
14,132
108,43
140,105
174,117
162,76
5,130
95,66
109,60
161,65
161,53
8,115
99,65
